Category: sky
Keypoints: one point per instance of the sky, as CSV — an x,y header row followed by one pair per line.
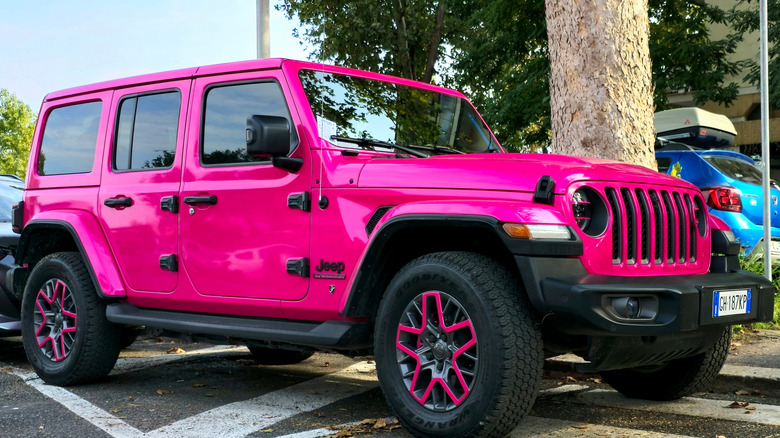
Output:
x,y
49,45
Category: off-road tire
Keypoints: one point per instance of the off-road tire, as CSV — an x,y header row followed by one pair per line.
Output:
x,y
506,374
278,356
90,348
675,379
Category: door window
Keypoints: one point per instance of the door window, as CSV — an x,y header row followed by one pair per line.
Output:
x,y
146,132
227,107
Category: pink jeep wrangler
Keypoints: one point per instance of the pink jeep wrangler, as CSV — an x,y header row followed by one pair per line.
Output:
x,y
296,206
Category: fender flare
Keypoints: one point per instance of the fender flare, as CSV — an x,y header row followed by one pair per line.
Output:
x,y
393,222
91,243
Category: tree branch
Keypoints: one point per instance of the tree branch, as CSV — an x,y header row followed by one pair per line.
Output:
x,y
433,50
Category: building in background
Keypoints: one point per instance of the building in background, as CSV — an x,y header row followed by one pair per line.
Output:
x,y
745,111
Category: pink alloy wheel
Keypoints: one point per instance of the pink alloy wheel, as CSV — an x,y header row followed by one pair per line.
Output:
x,y
437,351
55,319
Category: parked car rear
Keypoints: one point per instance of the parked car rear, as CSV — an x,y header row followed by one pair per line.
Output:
x,y
731,185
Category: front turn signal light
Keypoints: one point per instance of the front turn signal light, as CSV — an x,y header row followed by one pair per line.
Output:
x,y
525,231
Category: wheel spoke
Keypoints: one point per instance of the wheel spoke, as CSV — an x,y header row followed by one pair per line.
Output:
x,y
55,319
438,357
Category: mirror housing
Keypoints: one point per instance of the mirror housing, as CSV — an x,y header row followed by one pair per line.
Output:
x,y
267,136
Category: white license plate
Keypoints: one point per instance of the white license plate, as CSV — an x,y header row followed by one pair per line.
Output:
x,y
731,302
774,247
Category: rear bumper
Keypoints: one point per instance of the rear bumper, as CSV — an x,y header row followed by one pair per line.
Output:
x,y
579,303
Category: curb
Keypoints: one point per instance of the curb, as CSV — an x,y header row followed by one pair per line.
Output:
x,y
766,379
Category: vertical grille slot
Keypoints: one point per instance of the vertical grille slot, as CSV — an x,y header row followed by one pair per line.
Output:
x,y
670,227
692,233
617,235
631,229
659,226
682,223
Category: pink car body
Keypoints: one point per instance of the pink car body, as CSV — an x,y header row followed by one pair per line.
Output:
x,y
308,243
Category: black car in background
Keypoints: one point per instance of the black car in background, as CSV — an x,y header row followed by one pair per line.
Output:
x,y
11,189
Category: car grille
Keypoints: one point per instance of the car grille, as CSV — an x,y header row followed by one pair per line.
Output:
x,y
655,226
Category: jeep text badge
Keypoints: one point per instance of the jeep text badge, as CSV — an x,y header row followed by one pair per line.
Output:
x,y
333,270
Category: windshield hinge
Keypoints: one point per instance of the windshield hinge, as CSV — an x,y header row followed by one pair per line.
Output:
x,y
301,201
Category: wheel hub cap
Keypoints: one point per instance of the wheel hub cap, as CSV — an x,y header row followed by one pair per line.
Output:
x,y
436,349
54,318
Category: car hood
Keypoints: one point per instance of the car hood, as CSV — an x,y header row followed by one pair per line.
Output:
x,y
516,172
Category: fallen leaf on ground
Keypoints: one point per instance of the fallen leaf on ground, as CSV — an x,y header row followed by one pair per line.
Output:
x,y
595,380
737,405
164,391
175,350
198,385
267,430
380,423
318,414
742,392
115,410
325,364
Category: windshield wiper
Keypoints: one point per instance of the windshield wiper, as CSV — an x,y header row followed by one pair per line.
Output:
x,y
371,143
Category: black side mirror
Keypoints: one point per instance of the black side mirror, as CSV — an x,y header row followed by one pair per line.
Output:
x,y
267,136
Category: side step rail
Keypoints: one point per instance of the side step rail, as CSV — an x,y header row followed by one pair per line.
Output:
x,y
336,334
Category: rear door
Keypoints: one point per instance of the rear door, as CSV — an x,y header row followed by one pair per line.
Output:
x,y
140,183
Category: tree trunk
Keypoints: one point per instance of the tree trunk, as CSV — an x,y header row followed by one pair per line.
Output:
x,y
600,79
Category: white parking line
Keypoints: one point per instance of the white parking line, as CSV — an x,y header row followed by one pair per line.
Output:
x,y
689,406
234,420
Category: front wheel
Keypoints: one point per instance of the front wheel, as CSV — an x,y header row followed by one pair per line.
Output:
x,y
675,379
457,347
66,335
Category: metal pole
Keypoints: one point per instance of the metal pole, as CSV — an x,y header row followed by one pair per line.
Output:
x,y
263,30
764,84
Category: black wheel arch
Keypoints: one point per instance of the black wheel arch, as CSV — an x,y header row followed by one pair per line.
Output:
x,y
41,238
404,238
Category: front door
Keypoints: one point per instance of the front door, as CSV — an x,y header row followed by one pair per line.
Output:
x,y
141,176
238,234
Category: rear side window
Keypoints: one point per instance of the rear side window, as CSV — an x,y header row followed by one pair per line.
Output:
x,y
737,169
146,131
227,109
69,139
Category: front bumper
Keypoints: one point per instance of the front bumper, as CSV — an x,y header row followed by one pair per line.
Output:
x,y
576,302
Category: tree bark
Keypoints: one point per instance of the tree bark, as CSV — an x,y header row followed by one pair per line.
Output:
x,y
600,79
405,56
433,50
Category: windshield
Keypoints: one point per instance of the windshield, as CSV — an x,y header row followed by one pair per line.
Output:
x,y
736,169
391,113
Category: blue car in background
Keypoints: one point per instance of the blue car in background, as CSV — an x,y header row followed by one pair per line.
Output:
x,y
731,185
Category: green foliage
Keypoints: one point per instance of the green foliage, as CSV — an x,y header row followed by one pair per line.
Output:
x,y
745,18
496,52
757,266
17,123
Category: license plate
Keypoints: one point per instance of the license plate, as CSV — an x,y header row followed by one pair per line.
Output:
x,y
731,302
774,247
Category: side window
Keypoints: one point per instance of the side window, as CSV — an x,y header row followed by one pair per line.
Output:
x,y
146,131
69,139
223,140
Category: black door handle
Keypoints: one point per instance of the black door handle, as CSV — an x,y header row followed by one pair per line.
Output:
x,y
118,202
194,200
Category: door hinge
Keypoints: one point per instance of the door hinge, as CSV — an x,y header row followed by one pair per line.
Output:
x,y
170,203
301,201
169,263
298,267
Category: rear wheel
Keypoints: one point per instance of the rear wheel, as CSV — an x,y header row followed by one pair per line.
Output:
x,y
278,356
457,348
675,379
67,338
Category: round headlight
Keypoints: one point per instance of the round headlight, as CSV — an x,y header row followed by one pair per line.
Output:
x,y
589,211
583,212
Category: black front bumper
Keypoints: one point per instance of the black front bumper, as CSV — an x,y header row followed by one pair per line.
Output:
x,y
574,301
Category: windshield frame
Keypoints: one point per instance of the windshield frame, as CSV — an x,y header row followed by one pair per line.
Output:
x,y
293,70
